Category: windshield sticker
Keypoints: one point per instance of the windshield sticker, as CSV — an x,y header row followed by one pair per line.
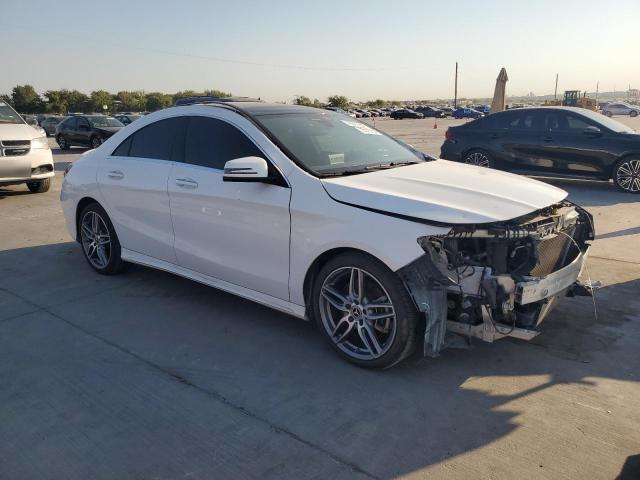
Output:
x,y
336,158
361,127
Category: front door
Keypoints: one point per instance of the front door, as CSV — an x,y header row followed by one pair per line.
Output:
x,y
235,232
133,182
570,147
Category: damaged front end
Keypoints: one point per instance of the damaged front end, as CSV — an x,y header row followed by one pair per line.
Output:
x,y
501,279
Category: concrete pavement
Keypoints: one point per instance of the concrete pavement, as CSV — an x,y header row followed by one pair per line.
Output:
x,y
148,375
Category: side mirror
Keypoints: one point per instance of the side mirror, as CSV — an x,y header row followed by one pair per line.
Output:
x,y
592,131
246,169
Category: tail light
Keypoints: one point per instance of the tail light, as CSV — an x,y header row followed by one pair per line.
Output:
x,y
448,134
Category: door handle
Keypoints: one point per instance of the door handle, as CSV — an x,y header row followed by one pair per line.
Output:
x,y
186,183
116,174
494,136
547,139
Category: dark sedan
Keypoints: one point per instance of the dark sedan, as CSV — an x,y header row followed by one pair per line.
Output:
x,y
431,112
405,113
128,118
550,141
86,130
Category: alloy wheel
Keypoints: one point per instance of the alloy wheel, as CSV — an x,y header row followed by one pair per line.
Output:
x,y
96,240
62,142
477,158
96,142
357,313
628,175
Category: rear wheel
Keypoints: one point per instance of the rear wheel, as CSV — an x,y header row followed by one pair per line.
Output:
x,y
62,142
99,241
479,158
626,175
96,142
608,114
633,113
365,311
40,186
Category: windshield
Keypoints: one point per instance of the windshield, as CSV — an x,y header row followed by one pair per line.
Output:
x,y
327,143
104,122
605,121
8,115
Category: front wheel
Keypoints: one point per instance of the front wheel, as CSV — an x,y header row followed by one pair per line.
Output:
x,y
99,241
633,113
479,158
40,186
608,114
365,311
626,175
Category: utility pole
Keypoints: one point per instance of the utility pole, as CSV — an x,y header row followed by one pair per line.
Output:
x,y
555,92
455,94
597,88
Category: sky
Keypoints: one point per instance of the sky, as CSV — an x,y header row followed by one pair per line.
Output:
x,y
364,49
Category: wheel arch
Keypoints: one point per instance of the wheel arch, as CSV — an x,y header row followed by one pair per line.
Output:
x,y
622,157
79,208
319,261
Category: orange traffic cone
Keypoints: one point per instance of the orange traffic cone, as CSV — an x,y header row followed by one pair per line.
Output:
x,y
435,122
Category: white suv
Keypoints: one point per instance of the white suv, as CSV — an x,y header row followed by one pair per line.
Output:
x,y
25,156
321,216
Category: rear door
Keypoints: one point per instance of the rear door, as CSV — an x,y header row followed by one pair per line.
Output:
x,y
235,232
133,181
82,133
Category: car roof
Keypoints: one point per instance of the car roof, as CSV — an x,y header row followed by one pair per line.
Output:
x,y
258,108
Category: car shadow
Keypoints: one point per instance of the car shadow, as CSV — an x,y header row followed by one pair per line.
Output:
x,y
4,192
279,369
591,193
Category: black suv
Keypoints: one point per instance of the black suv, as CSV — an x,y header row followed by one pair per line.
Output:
x,y
86,130
550,141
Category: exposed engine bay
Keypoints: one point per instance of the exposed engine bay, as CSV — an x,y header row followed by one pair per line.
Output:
x,y
500,279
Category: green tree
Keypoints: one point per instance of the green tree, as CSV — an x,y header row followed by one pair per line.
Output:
x,y
339,101
378,103
131,101
25,99
158,101
216,93
78,101
57,101
100,98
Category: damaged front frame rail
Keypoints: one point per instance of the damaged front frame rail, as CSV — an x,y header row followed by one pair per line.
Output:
x,y
496,297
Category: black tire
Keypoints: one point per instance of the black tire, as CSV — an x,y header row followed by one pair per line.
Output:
x,y
115,264
608,114
478,157
407,318
40,186
63,143
626,174
95,142
633,113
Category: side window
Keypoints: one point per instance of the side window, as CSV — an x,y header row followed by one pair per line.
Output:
x,y
71,123
523,121
82,122
554,121
123,148
160,140
497,121
211,143
577,123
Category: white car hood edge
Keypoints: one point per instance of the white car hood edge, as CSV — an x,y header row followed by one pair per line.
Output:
x,y
443,192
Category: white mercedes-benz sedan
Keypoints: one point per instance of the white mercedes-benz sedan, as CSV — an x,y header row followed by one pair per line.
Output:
x,y
318,215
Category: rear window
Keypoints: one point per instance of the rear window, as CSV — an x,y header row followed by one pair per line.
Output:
x,y
160,140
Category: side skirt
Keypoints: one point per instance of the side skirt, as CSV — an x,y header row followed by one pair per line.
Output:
x,y
267,300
